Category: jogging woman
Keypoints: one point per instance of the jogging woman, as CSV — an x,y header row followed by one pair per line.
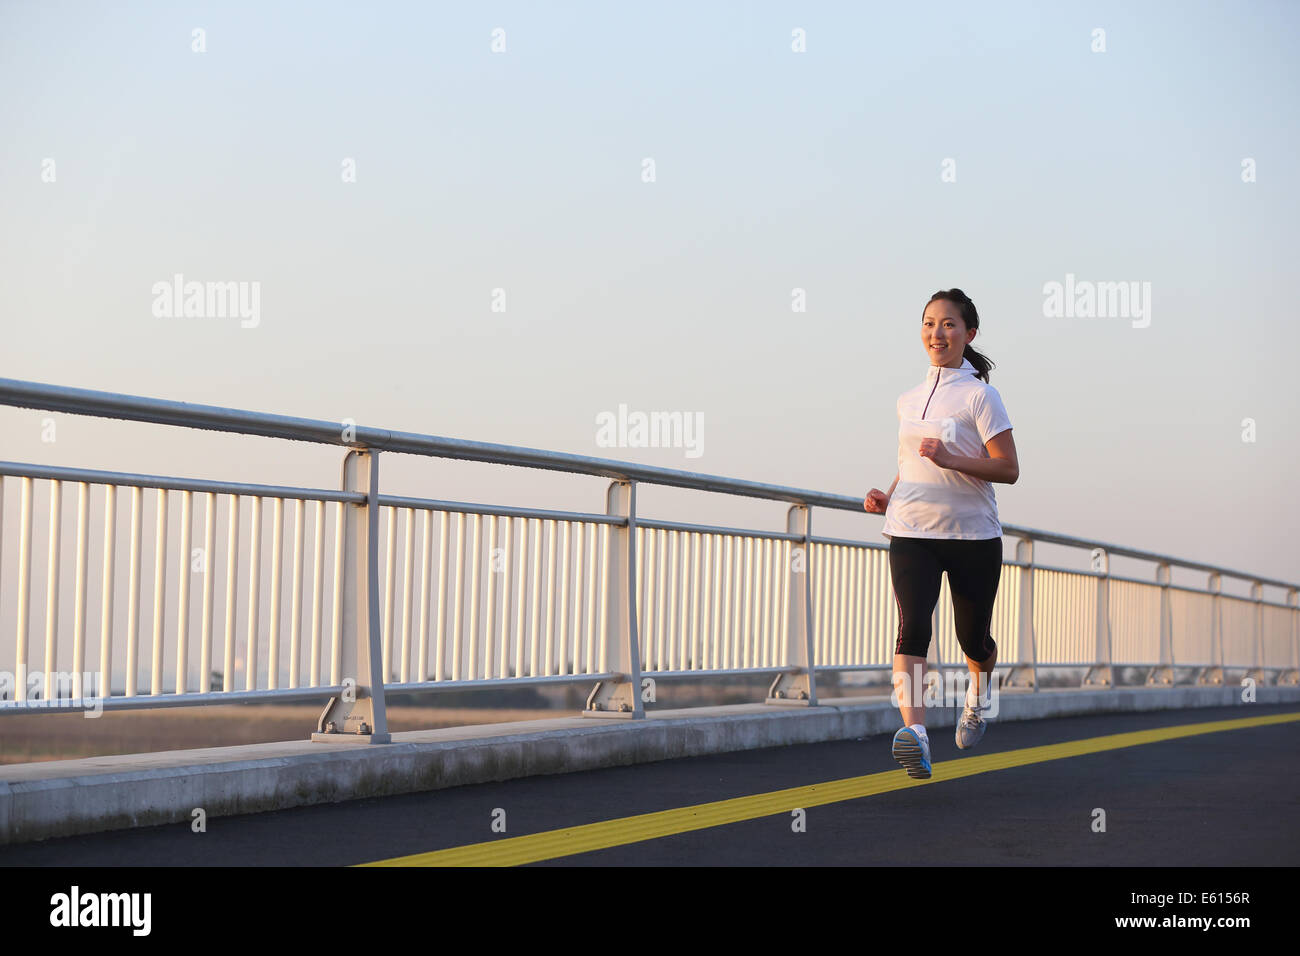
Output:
x,y
954,442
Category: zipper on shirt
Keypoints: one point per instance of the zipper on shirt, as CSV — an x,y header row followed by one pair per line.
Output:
x,y
927,401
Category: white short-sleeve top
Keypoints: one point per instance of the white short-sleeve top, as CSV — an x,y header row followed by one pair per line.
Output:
x,y
932,502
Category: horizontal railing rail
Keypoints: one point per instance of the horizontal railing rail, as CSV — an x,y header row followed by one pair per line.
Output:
x,y
423,595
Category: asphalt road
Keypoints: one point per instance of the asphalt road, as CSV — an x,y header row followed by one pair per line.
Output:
x,y
1226,798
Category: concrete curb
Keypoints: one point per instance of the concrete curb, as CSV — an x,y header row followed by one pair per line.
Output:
x,y
61,798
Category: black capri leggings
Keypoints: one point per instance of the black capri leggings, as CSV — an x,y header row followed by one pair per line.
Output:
x,y
974,567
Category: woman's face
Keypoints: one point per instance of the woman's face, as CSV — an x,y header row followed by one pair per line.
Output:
x,y
944,334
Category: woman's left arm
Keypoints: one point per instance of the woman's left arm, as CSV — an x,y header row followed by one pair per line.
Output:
x,y
1002,465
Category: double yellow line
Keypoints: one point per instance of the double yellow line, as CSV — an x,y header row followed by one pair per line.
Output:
x,y
552,844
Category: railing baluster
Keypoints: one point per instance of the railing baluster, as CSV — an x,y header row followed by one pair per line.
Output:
x,y
562,635
106,607
444,558
649,618
697,576
277,573
675,587
548,666
159,593
609,539
133,597
457,638
746,601
23,625
52,590
835,611
79,612
183,571
426,594
205,640
728,640
390,581
254,593
476,595
317,594
408,590
534,639
521,596
579,595
336,642
489,629
295,605
232,569
592,635
714,645
507,600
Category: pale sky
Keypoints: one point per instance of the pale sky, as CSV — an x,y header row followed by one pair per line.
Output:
x,y
774,170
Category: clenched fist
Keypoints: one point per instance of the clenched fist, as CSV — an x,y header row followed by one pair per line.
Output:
x,y
936,451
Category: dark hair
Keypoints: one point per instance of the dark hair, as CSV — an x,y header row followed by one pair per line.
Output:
x,y
977,358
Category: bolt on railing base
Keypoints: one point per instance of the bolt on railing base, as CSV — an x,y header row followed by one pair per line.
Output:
x,y
612,699
790,689
1021,675
1099,676
1161,675
1210,676
349,722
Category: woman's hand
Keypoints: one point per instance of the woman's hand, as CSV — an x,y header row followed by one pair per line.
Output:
x,y
876,501
934,449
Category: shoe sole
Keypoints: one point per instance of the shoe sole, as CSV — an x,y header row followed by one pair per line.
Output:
x,y
908,752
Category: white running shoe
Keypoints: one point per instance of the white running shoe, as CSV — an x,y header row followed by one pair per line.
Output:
x,y
971,726
913,752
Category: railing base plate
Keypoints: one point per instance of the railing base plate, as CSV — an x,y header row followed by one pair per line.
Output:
x,y
318,738
790,689
1021,676
341,720
612,699
1099,676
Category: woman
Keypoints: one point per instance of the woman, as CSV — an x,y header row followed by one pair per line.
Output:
x,y
954,442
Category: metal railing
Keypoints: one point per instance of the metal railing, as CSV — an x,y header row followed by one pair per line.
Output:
x,y
445,595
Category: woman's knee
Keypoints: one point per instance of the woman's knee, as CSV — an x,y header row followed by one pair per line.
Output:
x,y
982,651
913,640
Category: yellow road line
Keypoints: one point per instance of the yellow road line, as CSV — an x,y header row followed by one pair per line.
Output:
x,y
551,844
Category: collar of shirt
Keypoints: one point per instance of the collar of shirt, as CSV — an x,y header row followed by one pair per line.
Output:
x,y
947,374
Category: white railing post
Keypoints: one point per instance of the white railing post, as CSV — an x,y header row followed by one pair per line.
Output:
x,y
620,696
1260,673
1101,674
797,684
358,715
1163,672
1213,673
1292,676
1025,671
